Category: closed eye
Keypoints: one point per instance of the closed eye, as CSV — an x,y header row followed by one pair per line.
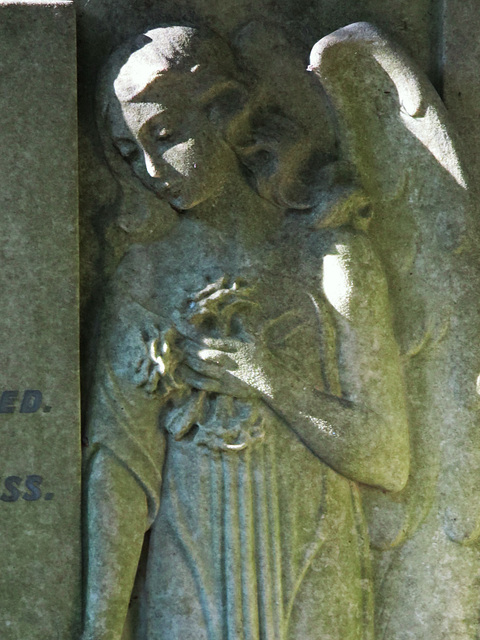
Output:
x,y
162,134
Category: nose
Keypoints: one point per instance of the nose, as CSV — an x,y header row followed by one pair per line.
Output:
x,y
152,167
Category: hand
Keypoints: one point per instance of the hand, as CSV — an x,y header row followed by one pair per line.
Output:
x,y
229,366
218,303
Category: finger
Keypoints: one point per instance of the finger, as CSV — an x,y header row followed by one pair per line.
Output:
x,y
216,344
227,386
227,345
198,381
209,356
210,370
225,298
210,367
221,283
194,342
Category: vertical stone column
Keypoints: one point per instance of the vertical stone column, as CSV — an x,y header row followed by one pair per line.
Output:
x,y
460,478
40,567
461,77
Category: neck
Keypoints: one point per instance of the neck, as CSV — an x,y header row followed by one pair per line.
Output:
x,y
239,214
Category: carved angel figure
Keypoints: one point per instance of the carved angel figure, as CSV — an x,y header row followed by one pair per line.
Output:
x,y
248,378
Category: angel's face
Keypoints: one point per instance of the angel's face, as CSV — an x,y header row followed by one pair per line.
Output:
x,y
172,147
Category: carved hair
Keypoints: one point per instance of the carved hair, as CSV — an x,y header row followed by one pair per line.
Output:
x,y
266,140
168,53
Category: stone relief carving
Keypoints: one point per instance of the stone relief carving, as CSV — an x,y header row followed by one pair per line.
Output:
x,y
267,370
424,232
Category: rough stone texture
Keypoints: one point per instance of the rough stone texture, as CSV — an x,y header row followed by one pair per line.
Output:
x,y
39,453
105,24
427,584
395,181
425,560
440,596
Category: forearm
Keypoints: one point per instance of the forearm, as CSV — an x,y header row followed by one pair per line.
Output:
x,y
115,520
354,440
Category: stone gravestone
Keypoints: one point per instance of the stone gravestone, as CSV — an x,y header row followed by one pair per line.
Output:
x,y
241,435
39,370
279,325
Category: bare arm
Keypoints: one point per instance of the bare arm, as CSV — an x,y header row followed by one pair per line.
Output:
x,y
123,473
363,434
350,437
116,522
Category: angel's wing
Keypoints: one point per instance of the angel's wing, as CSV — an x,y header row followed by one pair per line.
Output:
x,y
394,130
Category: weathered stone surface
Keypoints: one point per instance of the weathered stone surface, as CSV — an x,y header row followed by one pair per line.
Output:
x,y
434,592
174,256
230,391
39,371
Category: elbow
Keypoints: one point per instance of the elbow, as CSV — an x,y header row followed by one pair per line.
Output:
x,y
387,473
389,463
394,455
392,480
396,482
396,470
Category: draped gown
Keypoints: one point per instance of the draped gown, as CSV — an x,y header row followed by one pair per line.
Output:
x,y
251,535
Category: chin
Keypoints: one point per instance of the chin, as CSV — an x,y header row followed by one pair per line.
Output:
x,y
181,203
178,203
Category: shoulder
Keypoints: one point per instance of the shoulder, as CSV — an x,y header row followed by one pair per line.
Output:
x,y
130,323
353,247
127,333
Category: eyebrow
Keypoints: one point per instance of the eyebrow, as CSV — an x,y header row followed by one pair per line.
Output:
x,y
148,122
151,87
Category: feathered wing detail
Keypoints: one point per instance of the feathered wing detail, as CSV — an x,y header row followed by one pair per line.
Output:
x,y
394,130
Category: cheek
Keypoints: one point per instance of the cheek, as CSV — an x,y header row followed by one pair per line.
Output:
x,y
183,157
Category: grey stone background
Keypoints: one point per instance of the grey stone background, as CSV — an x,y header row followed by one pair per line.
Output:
x,y
40,550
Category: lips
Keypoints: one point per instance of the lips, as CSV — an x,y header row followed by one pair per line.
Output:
x,y
168,190
177,202
164,190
